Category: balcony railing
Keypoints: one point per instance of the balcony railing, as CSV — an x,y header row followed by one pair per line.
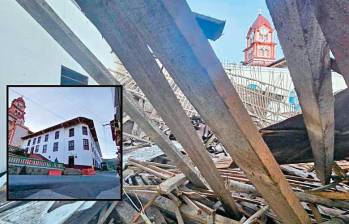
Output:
x,y
29,162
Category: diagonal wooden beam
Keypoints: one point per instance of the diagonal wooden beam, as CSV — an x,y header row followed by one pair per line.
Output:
x,y
333,17
50,21
131,49
175,38
308,60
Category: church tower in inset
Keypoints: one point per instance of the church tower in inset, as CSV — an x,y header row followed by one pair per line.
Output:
x,y
260,47
16,128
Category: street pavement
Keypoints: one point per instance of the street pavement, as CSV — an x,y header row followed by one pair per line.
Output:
x,y
103,185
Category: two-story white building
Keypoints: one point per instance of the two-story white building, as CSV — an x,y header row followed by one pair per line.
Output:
x,y
73,142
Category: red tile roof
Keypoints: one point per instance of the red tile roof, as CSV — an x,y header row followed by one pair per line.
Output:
x,y
261,20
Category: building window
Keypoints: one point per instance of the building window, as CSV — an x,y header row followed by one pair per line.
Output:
x,y
34,141
44,148
57,135
32,149
71,145
55,146
84,130
27,149
37,148
28,142
71,132
46,138
39,139
86,147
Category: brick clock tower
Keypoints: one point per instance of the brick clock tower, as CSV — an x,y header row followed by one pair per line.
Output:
x,y
16,120
260,48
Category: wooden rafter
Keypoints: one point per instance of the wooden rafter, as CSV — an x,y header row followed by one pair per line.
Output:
x,y
171,32
333,17
308,60
140,63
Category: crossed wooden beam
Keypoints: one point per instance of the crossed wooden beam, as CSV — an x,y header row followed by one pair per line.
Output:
x,y
136,29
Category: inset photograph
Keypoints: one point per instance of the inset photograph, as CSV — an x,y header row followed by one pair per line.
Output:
x,y
64,143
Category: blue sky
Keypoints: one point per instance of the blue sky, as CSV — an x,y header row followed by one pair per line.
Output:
x,y
49,106
239,15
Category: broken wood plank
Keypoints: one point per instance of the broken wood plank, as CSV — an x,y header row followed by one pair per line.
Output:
x,y
256,215
308,60
137,138
152,167
161,165
316,212
177,41
50,21
331,194
149,170
131,148
170,184
140,63
179,216
333,17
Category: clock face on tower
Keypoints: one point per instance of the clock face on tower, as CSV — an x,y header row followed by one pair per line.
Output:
x,y
264,30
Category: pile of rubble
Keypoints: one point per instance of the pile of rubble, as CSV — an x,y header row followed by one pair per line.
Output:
x,y
160,193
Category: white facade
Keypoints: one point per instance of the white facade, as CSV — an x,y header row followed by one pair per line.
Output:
x,y
82,156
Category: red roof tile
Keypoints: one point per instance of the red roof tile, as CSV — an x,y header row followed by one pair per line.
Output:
x,y
261,20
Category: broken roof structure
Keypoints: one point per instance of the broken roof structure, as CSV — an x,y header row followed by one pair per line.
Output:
x,y
143,33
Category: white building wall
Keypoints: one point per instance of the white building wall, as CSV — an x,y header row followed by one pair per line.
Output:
x,y
81,156
30,56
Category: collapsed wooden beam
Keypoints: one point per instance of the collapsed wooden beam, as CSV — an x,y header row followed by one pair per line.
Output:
x,y
50,21
172,33
333,17
308,60
122,36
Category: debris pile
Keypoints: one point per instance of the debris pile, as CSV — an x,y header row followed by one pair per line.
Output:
x,y
151,187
